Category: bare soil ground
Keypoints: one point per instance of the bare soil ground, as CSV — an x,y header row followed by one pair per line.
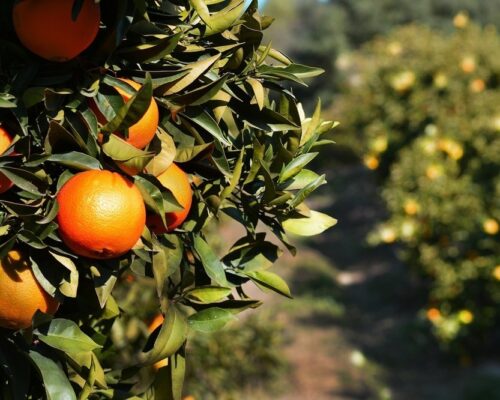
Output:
x,y
352,331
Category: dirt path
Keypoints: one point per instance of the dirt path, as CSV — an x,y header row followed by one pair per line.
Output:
x,y
351,329
374,348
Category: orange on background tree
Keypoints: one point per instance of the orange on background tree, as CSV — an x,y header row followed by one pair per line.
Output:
x,y
423,110
127,127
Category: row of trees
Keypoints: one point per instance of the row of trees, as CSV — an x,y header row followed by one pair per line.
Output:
x,y
317,32
422,111
419,105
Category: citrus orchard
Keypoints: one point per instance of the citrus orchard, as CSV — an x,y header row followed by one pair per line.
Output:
x,y
5,142
177,181
46,27
144,130
20,293
101,214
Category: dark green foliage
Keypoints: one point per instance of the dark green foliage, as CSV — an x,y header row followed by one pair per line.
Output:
x,y
245,357
226,117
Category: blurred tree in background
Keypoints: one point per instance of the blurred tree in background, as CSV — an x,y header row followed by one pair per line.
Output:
x,y
317,32
421,108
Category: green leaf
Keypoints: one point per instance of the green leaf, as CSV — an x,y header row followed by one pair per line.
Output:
x,y
59,139
258,90
312,125
176,253
258,154
6,103
277,55
277,74
299,181
235,179
104,282
201,118
169,380
185,154
213,266
170,338
48,278
30,239
208,294
68,286
315,224
201,94
119,150
165,158
32,96
108,100
251,254
271,281
221,99
76,160
87,365
160,266
195,70
306,191
220,21
295,166
24,179
265,119
65,335
303,71
210,320
151,51
133,110
56,384
84,127
152,196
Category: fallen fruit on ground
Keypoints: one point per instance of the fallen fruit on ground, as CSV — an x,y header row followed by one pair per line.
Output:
x,y
20,293
101,214
46,27
177,181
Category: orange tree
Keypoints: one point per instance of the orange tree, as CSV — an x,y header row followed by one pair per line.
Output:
x,y
126,127
424,110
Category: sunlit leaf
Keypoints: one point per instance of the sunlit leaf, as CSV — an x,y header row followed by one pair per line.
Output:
x,y
315,224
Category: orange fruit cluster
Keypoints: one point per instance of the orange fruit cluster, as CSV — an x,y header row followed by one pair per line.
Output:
x,y
101,213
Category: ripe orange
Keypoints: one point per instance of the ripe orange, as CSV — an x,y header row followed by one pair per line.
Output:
x,y
5,142
155,323
20,293
101,214
144,130
47,29
177,181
